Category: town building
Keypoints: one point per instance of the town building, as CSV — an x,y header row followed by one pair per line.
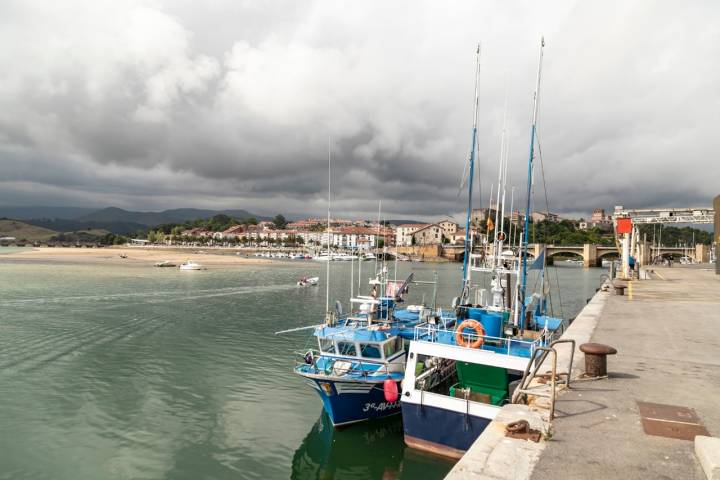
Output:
x,y
404,232
428,235
448,227
542,216
598,219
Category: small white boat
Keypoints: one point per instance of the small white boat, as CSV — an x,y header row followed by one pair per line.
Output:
x,y
323,257
312,281
190,265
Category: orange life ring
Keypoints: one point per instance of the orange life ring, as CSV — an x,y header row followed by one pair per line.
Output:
x,y
475,325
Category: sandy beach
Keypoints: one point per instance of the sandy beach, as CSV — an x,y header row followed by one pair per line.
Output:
x,y
136,256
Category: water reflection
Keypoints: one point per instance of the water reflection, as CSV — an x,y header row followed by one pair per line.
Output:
x,y
367,450
370,450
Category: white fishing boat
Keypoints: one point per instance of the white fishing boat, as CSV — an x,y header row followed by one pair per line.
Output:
x,y
456,381
308,281
191,265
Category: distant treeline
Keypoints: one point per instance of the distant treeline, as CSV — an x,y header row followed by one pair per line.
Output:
x,y
85,237
217,223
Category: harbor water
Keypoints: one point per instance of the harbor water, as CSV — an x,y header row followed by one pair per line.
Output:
x,y
135,372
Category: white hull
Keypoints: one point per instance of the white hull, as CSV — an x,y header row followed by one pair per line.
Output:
x,y
191,266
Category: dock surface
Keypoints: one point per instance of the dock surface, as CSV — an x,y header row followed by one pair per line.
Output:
x,y
667,333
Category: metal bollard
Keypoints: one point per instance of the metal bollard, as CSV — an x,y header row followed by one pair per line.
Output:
x,y
596,358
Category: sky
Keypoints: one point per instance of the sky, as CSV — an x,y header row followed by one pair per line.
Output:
x,y
148,105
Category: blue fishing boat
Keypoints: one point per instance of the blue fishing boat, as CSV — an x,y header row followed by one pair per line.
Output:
x,y
456,380
360,357
353,370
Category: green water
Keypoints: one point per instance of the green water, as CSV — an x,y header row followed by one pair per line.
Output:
x,y
135,372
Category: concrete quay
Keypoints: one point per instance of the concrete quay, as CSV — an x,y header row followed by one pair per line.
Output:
x,y
667,333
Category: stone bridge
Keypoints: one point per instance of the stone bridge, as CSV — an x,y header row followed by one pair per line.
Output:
x,y
592,255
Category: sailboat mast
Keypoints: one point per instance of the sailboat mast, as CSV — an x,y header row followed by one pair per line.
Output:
x,y
466,256
525,238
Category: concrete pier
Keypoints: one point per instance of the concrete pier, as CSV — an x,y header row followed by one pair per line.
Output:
x,y
667,333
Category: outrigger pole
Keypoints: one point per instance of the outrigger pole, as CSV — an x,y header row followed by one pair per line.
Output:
x,y
524,243
466,257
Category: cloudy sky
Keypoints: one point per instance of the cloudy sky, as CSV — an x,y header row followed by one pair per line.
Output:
x,y
149,105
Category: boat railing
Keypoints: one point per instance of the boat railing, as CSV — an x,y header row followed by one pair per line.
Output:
x,y
507,345
358,366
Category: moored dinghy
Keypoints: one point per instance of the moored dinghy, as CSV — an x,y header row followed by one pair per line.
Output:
x,y
308,281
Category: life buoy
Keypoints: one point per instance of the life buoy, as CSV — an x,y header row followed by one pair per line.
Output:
x,y
479,330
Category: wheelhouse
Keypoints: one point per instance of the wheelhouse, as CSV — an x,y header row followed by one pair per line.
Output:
x,y
373,346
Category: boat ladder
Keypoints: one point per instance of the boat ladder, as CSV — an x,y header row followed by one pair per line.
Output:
x,y
528,388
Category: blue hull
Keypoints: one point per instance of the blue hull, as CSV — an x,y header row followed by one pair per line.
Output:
x,y
440,431
351,402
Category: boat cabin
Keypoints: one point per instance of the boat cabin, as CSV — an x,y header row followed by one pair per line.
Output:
x,y
365,344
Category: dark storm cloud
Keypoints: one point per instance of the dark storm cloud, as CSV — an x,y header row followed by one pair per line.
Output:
x,y
156,105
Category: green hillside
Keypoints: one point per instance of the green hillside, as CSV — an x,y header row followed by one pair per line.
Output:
x,y
23,231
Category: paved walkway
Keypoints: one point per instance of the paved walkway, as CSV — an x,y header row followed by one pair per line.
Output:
x,y
667,332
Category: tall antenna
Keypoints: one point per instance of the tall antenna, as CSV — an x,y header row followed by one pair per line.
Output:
x,y
524,244
466,256
327,268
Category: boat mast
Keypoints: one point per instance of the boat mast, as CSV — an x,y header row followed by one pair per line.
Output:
x,y
500,200
466,256
327,268
524,244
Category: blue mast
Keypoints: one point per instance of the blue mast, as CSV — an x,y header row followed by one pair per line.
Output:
x,y
524,246
466,256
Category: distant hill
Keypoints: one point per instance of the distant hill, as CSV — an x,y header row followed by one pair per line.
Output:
x,y
151,219
62,225
27,213
23,231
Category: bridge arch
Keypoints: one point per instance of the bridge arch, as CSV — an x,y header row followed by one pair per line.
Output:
x,y
574,254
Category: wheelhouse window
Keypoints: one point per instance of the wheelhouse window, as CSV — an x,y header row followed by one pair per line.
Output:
x,y
346,348
326,345
370,350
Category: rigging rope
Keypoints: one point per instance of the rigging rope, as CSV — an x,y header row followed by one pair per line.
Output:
x,y
547,207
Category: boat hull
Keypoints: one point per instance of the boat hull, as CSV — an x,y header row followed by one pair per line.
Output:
x,y
439,431
352,402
